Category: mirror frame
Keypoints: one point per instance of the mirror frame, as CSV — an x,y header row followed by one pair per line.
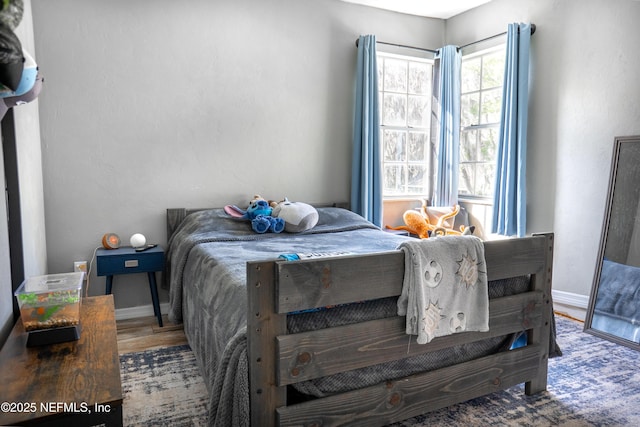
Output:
x,y
618,142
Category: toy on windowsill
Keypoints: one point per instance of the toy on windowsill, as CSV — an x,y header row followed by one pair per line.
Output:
x,y
417,223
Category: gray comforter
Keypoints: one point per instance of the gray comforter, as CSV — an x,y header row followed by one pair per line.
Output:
x,y
207,272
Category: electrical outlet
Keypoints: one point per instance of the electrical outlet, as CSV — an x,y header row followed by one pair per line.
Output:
x,y
80,266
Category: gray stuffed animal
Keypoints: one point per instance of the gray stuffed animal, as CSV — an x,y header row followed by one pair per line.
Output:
x,y
297,216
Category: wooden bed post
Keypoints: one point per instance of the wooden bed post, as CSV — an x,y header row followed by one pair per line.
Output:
x,y
263,322
542,282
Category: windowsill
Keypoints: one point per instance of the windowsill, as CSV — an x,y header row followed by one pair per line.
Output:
x,y
404,198
461,199
475,201
479,211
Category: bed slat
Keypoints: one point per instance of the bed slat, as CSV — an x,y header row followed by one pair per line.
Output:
x,y
318,282
516,257
408,397
323,352
314,283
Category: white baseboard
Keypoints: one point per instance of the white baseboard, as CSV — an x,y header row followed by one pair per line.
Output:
x,y
139,311
574,305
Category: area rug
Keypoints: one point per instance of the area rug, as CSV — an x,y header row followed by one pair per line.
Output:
x,y
594,383
162,388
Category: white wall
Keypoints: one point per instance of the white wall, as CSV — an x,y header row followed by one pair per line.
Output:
x,y
584,83
157,104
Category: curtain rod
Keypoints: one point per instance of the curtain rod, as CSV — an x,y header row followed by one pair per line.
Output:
x,y
533,30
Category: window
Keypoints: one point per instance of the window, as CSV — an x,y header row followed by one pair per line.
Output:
x,y
405,109
405,86
481,94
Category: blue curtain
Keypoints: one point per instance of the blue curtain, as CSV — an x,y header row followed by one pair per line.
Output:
x,y
448,111
366,170
510,194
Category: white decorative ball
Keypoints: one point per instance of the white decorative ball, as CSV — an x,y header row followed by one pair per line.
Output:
x,y
137,240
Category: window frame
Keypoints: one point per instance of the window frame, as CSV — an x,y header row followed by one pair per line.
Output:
x,y
479,127
427,129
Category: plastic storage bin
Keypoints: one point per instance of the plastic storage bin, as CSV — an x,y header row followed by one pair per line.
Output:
x,y
51,303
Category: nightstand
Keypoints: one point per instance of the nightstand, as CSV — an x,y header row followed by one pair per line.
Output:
x,y
127,260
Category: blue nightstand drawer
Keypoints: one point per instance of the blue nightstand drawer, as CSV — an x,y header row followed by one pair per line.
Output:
x,y
126,260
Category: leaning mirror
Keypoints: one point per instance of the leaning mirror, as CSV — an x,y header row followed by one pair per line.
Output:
x,y
614,304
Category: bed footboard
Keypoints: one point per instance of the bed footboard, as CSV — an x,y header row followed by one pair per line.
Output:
x,y
278,359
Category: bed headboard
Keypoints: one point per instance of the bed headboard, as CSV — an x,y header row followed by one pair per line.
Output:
x,y
175,216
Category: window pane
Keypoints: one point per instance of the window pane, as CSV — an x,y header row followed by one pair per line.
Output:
x,y
493,70
419,111
470,70
488,143
416,179
480,120
394,110
470,109
419,78
394,145
417,148
485,177
491,104
467,177
468,145
394,179
395,75
380,64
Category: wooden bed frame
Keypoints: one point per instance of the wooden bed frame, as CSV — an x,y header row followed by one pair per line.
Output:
x,y
278,359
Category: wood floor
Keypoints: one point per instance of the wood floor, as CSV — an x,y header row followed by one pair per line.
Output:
x,y
144,334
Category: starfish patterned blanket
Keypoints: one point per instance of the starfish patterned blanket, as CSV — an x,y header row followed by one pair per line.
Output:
x,y
445,287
